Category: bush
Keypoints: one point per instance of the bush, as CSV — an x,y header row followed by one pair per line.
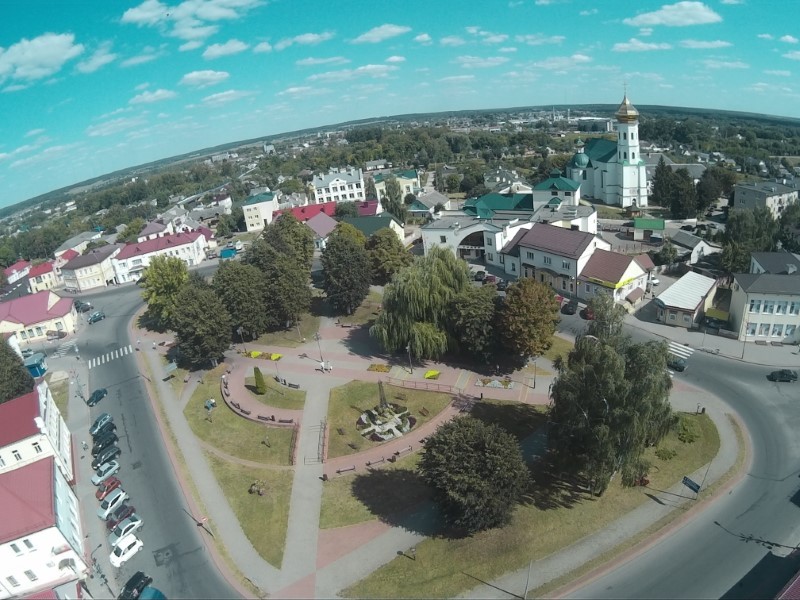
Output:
x,y
633,473
687,430
664,453
261,385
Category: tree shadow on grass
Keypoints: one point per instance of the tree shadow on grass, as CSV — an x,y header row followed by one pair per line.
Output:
x,y
552,488
400,498
149,322
360,343
520,420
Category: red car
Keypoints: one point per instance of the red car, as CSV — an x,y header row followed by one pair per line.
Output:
x,y
108,486
120,514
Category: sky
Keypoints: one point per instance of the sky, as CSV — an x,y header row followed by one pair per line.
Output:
x,y
89,87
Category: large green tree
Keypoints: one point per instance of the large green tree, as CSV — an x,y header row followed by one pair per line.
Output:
x,y
370,193
387,255
477,472
392,202
416,305
663,184
291,237
286,278
683,199
345,209
709,189
164,278
201,324
474,321
748,231
243,290
15,380
527,320
345,269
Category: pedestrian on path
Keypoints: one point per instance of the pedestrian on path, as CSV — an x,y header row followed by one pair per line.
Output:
x,y
85,446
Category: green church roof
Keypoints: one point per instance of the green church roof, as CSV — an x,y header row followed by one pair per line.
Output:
x,y
559,182
601,149
265,197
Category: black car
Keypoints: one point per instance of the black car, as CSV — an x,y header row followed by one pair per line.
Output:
x,y
82,306
570,308
785,375
502,285
105,455
676,363
101,443
480,275
100,422
135,585
96,396
108,427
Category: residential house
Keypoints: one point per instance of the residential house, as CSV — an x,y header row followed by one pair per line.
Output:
x,y
133,259
647,229
377,165
339,185
258,210
691,248
155,229
567,191
407,179
17,271
506,181
617,275
369,225
32,317
322,225
552,255
77,243
42,277
775,196
41,540
685,302
434,199
91,270
369,208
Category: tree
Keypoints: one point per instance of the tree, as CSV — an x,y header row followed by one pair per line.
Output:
x,y
223,227
164,278
527,320
748,231
668,253
392,201
286,280
201,324
409,199
477,473
289,236
261,385
474,318
132,230
683,202
416,304
346,269
453,183
709,189
663,183
345,209
243,291
370,193
386,255
15,380
609,318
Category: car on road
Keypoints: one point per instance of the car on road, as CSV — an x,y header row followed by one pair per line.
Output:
x,y
676,363
104,471
106,455
784,375
655,281
124,528
133,588
480,275
588,314
96,396
96,316
125,550
570,308
82,306
106,487
110,502
101,421
490,279
105,429
119,515
502,285
103,442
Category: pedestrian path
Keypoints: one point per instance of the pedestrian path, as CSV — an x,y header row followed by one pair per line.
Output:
x,y
64,348
680,350
109,356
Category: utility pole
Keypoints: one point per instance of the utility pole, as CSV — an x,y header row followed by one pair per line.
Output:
x,y
410,365
318,338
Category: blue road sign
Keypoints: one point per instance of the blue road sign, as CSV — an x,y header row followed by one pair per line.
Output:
x,y
692,485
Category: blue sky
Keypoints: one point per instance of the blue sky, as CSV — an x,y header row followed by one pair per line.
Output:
x,y
90,87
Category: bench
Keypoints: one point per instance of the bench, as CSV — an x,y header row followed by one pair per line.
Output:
x,y
352,446
246,412
401,397
376,462
294,386
236,405
424,411
346,469
761,342
285,420
263,418
777,343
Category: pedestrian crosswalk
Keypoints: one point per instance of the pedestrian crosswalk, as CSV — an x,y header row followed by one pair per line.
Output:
x,y
680,350
109,356
64,348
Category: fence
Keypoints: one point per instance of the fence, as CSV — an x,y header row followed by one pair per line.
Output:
x,y
293,444
420,385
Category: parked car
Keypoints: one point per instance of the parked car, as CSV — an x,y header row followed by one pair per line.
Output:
x,y
133,588
106,487
104,471
27,353
502,285
105,429
82,306
655,281
688,228
104,442
126,548
490,279
480,275
110,502
124,528
99,423
570,308
96,396
106,455
715,323
588,314
119,515
784,375
676,363
96,316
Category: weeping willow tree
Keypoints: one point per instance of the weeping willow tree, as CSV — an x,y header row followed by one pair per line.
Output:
x,y
416,305
610,402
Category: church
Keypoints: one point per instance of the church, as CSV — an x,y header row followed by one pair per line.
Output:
x,y
613,172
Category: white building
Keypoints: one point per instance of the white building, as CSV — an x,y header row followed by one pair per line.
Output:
x,y
775,196
258,210
613,172
617,275
91,270
339,185
17,271
408,180
685,302
134,258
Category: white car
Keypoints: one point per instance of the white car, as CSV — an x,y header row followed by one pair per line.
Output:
x,y
110,502
126,527
655,281
124,550
105,471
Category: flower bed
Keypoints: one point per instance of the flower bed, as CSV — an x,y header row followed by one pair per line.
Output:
x,y
432,374
254,353
275,356
495,383
379,368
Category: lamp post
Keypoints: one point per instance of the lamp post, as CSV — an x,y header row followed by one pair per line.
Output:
x,y
410,365
240,331
534,374
318,338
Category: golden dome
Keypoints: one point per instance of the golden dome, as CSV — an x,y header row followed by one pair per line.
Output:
x,y
627,113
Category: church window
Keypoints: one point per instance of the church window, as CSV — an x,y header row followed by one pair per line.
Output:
x,y
626,155
633,134
584,174
624,136
633,155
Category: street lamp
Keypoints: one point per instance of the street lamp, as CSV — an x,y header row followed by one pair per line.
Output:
x,y
318,338
240,331
410,365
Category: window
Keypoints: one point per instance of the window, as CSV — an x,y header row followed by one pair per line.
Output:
x,y
529,255
554,193
633,155
23,335
31,575
780,307
755,306
565,264
790,329
547,260
488,241
568,193
563,284
751,329
16,549
687,319
513,267
794,308
37,447
502,259
777,330
16,454
763,329
673,315
584,175
625,154
624,136
2,462
489,256
28,544
769,307
13,581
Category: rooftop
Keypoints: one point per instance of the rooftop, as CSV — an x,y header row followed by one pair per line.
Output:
x,y
556,181
369,225
77,240
778,186
647,223
35,308
351,175
20,265
687,293
783,262
684,239
608,266
40,269
168,241
28,499
768,283
93,257
304,213
560,241
259,198
17,417
151,228
601,150
321,224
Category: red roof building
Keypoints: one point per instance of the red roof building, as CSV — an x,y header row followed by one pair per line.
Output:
x,y
40,269
26,496
17,417
31,317
134,258
17,271
70,254
304,213
368,208
42,277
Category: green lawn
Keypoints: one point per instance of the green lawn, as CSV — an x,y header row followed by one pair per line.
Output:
x,y
288,338
264,519
549,521
349,401
560,347
231,433
277,395
366,313
60,390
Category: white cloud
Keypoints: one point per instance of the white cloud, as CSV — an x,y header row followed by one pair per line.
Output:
x,y
304,39
645,31
51,153
725,64
423,38
634,45
142,86
381,33
312,62
794,55
588,13
539,39
101,57
704,44
487,37
563,63
34,132
679,14
262,48
507,49
731,1
148,54
227,49
193,45
452,40
765,36
114,126
148,12
349,74
457,79
758,87
201,79
396,59
779,73
303,91
789,39
477,62
17,87
150,97
39,57
225,97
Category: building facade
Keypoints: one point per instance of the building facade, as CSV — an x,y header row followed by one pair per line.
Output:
x,y
133,259
42,277
32,317
685,302
91,270
407,180
339,185
775,196
258,211
613,274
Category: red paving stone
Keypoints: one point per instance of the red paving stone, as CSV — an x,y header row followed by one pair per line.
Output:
x,y
303,588
335,543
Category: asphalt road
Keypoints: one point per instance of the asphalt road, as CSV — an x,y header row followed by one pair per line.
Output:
x,y
741,546
173,554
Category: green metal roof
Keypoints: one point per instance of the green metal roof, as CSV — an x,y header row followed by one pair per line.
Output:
x,y
369,225
560,183
601,149
407,174
645,223
417,206
265,197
